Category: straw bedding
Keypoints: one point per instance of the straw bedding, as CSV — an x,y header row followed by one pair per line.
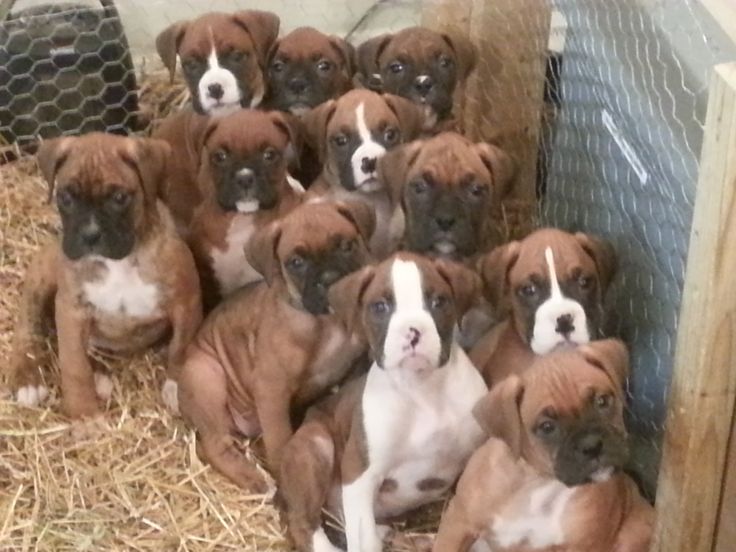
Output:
x,y
132,481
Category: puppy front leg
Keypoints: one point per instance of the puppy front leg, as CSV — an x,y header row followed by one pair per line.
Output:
x,y
273,404
361,530
454,533
78,396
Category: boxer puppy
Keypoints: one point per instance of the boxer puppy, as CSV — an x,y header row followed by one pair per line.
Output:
x,y
399,437
223,56
273,348
119,279
244,182
548,290
419,64
550,477
307,68
350,135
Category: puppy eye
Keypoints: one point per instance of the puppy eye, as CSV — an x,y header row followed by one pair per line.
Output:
x,y
446,62
476,189
396,67
420,187
120,199
219,156
324,65
340,140
64,199
528,291
277,66
546,428
192,65
439,302
604,401
348,246
391,135
295,263
380,308
584,282
270,155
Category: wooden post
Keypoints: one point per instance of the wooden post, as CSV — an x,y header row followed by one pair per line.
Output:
x,y
703,389
726,531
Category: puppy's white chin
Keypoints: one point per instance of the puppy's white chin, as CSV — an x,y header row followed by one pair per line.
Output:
x,y
370,186
299,110
417,363
445,248
602,475
247,207
222,110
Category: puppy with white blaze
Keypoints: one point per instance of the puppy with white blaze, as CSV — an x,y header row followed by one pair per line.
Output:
x,y
398,437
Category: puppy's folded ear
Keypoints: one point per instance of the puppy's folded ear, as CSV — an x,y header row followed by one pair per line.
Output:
x,y
314,124
501,166
346,297
394,166
346,51
411,117
151,158
263,28
52,154
498,413
361,214
494,269
604,256
465,52
465,284
611,356
291,126
367,54
261,251
167,45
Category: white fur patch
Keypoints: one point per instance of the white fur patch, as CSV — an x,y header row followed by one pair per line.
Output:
x,y
545,336
31,395
231,268
103,386
170,395
368,149
218,76
248,206
541,525
320,542
121,290
294,184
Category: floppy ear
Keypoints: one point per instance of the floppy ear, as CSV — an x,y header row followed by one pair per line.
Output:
x,y
465,284
500,165
52,154
494,269
367,55
361,214
465,52
263,28
346,296
260,252
291,126
346,51
611,356
151,157
314,124
167,45
603,255
498,412
394,166
411,116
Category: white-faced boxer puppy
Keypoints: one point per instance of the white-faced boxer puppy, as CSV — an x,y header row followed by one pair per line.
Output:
x,y
399,437
550,477
119,278
273,348
244,182
419,64
350,135
548,290
223,57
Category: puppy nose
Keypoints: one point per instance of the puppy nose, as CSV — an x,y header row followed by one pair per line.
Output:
x,y
445,222
91,234
328,278
423,84
591,446
215,91
245,181
565,325
414,336
298,85
368,164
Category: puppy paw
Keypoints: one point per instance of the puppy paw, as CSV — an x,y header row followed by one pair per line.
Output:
x,y
170,395
31,395
103,386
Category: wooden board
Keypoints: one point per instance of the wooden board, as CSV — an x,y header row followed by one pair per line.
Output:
x,y
703,389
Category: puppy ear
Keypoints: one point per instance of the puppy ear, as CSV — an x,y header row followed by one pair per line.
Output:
x,y
465,52
603,255
346,51
151,157
292,127
498,412
52,154
346,296
167,45
500,165
464,283
611,356
411,116
260,251
314,124
263,28
367,56
394,166
494,271
361,214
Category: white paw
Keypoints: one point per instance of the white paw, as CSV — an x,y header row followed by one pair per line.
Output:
x,y
320,542
103,386
383,531
170,395
31,395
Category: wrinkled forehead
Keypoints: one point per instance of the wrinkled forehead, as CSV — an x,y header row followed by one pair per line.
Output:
x,y
563,253
314,228
92,166
406,279
449,159
417,45
247,132
305,43
354,109
220,30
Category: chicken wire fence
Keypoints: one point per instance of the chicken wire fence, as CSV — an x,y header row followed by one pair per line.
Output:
x,y
622,110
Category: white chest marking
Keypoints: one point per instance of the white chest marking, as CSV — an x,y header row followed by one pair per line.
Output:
x,y
121,290
231,268
541,525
